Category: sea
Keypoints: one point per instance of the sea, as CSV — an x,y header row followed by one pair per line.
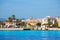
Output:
x,y
29,35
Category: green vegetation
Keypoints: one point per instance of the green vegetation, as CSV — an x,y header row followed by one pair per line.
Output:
x,y
38,24
10,19
49,22
20,23
23,24
1,24
55,24
13,17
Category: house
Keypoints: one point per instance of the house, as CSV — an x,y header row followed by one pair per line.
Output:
x,y
31,22
48,20
9,24
58,20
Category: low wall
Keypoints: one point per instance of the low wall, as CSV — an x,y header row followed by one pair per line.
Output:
x,y
31,29
53,28
11,28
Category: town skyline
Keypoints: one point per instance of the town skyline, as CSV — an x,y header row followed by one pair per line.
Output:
x,y
41,23
23,18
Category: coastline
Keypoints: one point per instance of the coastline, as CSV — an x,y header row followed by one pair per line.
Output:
x,y
11,28
30,29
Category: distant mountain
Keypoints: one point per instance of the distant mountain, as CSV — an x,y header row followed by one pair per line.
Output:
x,y
2,19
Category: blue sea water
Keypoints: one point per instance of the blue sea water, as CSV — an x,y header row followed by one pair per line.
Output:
x,y
29,35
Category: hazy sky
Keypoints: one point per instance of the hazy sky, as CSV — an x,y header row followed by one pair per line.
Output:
x,y
27,8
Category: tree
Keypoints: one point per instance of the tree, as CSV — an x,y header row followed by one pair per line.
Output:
x,y
13,17
49,22
23,24
10,19
18,23
1,23
55,24
17,20
38,24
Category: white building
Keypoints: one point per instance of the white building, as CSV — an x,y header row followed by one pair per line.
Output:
x,y
45,21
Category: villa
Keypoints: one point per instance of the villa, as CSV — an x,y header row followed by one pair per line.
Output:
x,y
48,20
31,23
9,24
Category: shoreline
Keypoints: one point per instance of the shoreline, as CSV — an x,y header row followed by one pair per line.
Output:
x,y
30,29
11,28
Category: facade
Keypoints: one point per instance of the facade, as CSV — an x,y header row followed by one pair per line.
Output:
x,y
45,20
58,20
31,22
8,23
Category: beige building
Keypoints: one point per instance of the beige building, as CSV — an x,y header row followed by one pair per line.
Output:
x,y
58,20
32,22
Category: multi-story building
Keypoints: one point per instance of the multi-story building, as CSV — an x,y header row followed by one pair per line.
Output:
x,y
45,21
58,20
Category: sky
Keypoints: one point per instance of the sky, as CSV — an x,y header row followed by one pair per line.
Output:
x,y
29,8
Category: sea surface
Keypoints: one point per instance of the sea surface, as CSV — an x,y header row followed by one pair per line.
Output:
x,y
29,35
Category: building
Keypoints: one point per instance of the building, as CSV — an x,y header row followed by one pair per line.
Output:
x,y
9,24
31,22
58,20
48,20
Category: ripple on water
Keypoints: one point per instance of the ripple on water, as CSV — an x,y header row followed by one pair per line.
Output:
x,y
30,35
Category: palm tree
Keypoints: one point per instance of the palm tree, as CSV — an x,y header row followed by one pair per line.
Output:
x,y
10,19
18,21
13,17
49,22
